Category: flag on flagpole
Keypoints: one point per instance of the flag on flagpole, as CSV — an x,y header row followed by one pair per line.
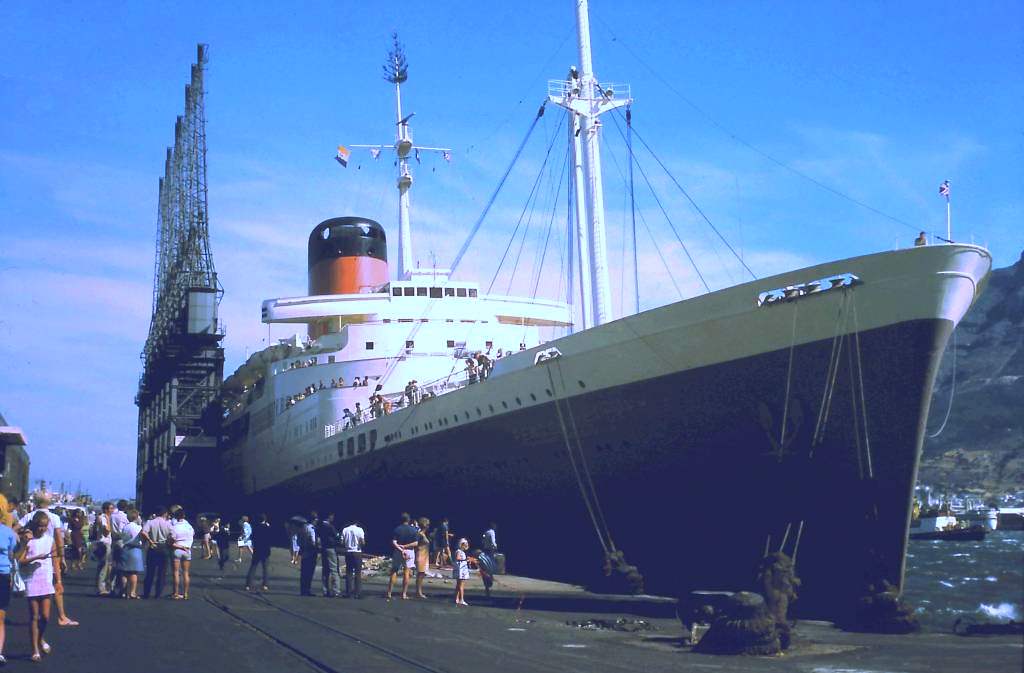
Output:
x,y
944,189
374,152
418,155
447,156
343,155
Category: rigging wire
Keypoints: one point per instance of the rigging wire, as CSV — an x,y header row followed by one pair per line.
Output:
x,y
672,226
689,198
531,199
632,205
547,236
654,242
501,183
753,148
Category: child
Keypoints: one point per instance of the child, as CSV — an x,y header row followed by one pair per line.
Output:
x,y
35,554
460,572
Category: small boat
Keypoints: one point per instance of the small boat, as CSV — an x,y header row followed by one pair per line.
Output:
x,y
942,524
955,533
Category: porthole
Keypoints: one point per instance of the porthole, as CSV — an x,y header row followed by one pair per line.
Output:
x,y
478,412
467,415
491,407
533,397
504,404
582,384
519,402
455,418
548,391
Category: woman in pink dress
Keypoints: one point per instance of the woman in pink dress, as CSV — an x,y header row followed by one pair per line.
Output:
x,y
35,555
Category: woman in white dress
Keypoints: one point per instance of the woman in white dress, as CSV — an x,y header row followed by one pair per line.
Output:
x,y
460,571
35,555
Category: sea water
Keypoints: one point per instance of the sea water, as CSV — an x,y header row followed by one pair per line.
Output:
x,y
981,580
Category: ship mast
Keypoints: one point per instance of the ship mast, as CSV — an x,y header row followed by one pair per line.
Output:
x,y
586,99
396,71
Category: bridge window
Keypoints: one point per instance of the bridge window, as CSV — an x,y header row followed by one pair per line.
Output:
x,y
409,343
460,291
435,293
451,343
421,292
369,345
396,291
487,344
410,291
472,292
449,292
330,359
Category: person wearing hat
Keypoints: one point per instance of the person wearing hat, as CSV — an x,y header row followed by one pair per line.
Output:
x,y
54,529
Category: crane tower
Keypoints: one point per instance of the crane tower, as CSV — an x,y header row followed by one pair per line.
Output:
x,y
182,360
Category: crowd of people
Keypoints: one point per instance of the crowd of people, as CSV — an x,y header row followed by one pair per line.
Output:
x,y
415,546
38,548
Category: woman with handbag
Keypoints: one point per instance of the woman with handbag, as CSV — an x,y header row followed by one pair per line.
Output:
x,y
8,541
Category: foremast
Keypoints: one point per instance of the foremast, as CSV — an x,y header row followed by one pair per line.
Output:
x,y
396,71
586,100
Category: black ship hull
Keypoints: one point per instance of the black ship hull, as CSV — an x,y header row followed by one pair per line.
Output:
x,y
694,474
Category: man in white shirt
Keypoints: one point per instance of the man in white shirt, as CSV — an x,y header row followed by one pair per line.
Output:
x,y
104,555
56,530
118,520
353,538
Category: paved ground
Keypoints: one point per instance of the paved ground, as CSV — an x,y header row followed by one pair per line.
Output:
x,y
222,628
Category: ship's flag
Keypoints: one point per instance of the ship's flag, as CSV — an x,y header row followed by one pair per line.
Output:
x,y
374,152
944,189
417,155
343,155
447,156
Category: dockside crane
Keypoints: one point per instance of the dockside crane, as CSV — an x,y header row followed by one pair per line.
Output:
x,y
182,360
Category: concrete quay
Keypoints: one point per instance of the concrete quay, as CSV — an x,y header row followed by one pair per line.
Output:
x,y
522,628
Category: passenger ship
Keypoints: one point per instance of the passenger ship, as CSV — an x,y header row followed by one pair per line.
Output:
x,y
792,406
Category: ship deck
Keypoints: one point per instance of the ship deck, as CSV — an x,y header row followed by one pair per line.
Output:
x,y
524,628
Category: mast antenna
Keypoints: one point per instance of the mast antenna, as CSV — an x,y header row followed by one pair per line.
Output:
x,y
396,70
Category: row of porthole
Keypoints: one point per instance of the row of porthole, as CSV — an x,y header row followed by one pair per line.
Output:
x,y
455,418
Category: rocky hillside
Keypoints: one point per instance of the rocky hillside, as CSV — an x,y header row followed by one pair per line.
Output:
x,y
982,446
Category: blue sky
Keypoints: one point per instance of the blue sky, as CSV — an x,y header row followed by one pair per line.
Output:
x,y
881,101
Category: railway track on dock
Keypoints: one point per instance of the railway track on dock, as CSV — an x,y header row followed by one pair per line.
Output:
x,y
371,649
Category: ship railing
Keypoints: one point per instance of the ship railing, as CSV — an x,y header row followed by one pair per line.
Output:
x,y
559,88
395,401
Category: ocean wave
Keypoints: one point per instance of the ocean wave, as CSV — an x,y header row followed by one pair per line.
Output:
x,y
1005,611
990,578
946,584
